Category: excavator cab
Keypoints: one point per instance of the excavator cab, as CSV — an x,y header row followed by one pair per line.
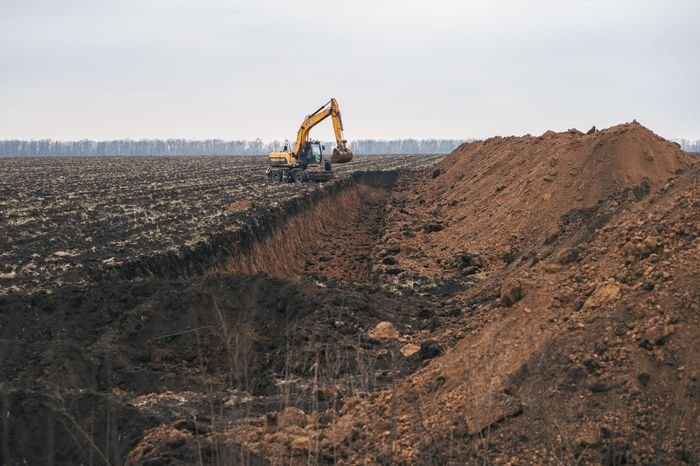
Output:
x,y
313,154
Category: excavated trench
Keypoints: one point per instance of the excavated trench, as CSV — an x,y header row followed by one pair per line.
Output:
x,y
277,240
274,314
331,238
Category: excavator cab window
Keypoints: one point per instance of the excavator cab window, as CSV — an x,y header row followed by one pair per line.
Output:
x,y
313,153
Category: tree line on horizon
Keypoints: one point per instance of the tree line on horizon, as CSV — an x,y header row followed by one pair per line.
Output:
x,y
689,146
165,147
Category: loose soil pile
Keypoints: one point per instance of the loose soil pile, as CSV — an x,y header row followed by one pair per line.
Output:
x,y
525,301
502,197
578,337
589,356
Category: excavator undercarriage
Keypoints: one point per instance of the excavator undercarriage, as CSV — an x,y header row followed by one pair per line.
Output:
x,y
298,175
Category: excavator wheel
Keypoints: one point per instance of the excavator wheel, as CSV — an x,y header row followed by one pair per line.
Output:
x,y
341,155
299,176
275,176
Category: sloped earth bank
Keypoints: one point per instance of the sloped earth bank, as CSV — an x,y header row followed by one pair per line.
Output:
x,y
577,343
527,300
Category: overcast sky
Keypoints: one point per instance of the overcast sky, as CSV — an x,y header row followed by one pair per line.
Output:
x,y
241,69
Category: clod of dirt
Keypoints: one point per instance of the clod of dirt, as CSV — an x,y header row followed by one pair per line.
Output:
x,y
300,445
567,256
239,206
291,416
430,349
433,227
410,349
389,261
469,264
512,291
599,387
656,332
643,378
604,293
384,331
394,248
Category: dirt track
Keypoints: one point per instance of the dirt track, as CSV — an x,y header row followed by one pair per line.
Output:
x,y
524,301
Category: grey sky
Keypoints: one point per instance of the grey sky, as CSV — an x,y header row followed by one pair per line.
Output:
x,y
105,69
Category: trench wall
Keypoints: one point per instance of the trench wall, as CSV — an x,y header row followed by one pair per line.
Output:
x,y
269,240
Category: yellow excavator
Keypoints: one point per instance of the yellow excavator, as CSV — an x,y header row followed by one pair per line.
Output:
x,y
306,162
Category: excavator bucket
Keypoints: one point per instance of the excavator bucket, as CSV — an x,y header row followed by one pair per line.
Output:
x,y
341,155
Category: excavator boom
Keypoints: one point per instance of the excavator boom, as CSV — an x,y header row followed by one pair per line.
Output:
x,y
341,154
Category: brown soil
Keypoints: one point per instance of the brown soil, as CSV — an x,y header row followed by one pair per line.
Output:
x,y
526,300
323,240
594,361
577,342
502,197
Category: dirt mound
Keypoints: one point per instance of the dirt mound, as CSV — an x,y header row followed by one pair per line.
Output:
x,y
589,356
500,197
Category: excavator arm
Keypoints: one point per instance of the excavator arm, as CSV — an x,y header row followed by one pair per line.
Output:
x,y
341,154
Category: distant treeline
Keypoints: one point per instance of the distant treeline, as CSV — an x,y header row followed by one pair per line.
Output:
x,y
46,147
689,146
405,146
